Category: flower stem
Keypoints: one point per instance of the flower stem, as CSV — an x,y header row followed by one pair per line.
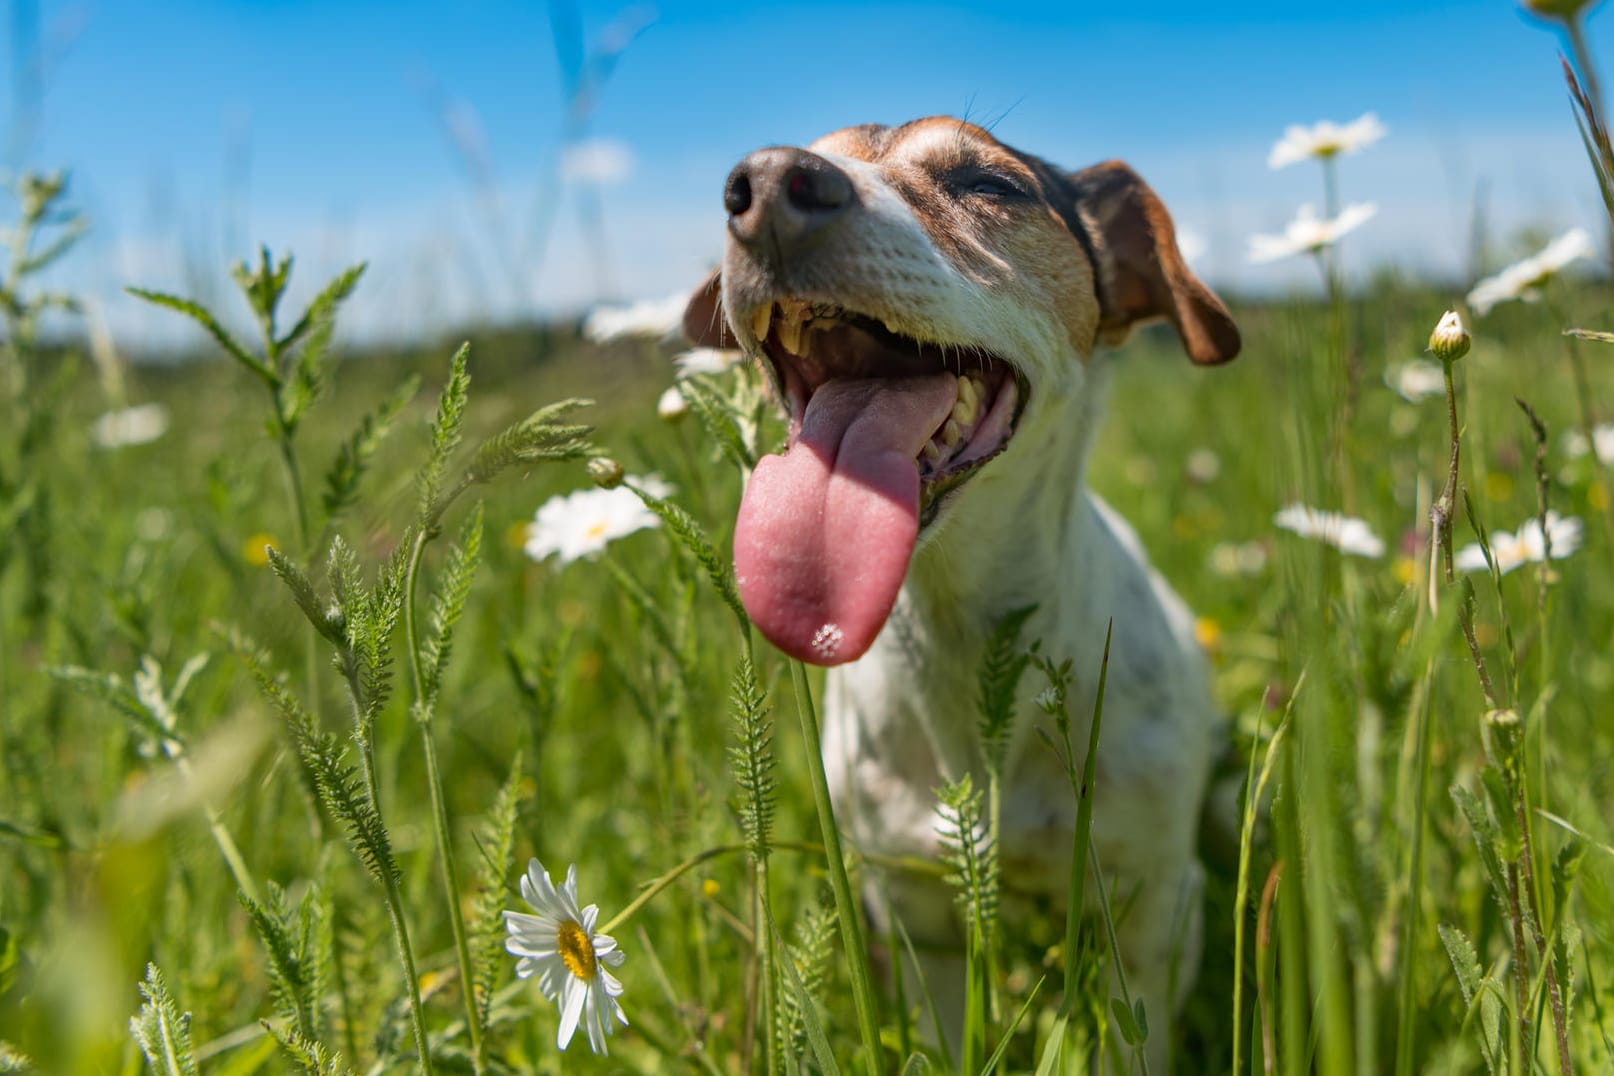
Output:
x,y
406,952
294,492
394,899
424,711
1441,518
846,909
1560,1022
657,885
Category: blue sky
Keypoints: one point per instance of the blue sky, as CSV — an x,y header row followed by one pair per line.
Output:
x,y
195,130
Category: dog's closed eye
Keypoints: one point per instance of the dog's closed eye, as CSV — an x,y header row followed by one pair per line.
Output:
x,y
986,183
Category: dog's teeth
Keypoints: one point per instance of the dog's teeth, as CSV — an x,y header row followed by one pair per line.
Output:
x,y
789,330
968,404
930,453
760,321
968,392
951,433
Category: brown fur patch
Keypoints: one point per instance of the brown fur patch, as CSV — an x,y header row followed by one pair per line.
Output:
x,y
1018,243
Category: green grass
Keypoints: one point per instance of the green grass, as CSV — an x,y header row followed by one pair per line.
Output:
x,y
612,683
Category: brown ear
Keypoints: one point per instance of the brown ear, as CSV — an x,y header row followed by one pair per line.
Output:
x,y
703,317
1141,273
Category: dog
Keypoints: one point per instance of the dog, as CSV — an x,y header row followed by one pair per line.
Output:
x,y
927,303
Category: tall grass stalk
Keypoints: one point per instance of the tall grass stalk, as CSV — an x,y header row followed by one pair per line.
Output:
x,y
846,908
1254,793
424,710
1420,711
1083,790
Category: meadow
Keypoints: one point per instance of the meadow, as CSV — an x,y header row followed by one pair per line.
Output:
x,y
263,812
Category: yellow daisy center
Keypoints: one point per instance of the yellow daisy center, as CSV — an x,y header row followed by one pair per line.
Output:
x,y
576,950
596,530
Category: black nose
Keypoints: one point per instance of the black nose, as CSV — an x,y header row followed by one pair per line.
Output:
x,y
781,197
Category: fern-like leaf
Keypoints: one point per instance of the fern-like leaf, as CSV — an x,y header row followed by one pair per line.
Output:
x,y
325,304
689,534
497,844
448,603
286,942
203,317
111,689
1001,669
264,288
72,231
716,415
163,1032
353,458
326,620
969,852
539,436
445,430
314,1057
752,757
342,792
810,955
336,784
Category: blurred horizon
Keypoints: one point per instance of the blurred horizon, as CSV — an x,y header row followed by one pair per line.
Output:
x,y
507,162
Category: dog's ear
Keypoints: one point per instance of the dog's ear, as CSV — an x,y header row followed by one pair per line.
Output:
x,y
704,323
1141,273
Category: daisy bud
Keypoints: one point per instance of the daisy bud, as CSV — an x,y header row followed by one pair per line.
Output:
x,y
1449,342
1502,719
672,406
607,473
1561,10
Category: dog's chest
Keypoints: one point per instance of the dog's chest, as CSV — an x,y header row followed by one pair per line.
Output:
x,y
904,720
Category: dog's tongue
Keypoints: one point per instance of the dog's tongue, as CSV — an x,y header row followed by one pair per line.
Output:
x,y
825,531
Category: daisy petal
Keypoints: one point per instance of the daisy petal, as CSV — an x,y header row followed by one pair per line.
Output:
x,y
574,995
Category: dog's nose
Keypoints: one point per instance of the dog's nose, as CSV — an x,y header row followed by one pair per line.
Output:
x,y
782,196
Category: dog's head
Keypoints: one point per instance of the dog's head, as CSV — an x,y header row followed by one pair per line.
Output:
x,y
915,291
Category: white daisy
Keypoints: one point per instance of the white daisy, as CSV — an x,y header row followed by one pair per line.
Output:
x,y
705,360
136,425
1308,233
650,317
1576,445
560,947
1324,140
583,523
1344,533
1416,380
1526,547
1524,280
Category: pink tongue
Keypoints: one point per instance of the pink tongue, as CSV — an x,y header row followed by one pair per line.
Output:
x,y
825,532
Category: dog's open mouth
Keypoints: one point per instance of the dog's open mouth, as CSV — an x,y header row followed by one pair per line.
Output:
x,y
882,427
812,344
